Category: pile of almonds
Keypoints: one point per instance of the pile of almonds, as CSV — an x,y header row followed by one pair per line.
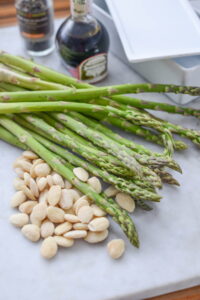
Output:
x,y
51,209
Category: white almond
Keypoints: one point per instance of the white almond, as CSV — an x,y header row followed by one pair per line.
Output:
x,y
23,164
80,203
27,178
98,212
17,199
50,180
85,214
40,211
75,194
81,173
125,201
33,187
42,170
116,248
69,211
57,180
19,220
98,224
71,218
28,193
32,171
41,183
68,184
76,234
27,206
96,237
29,155
49,247
43,196
34,220
19,172
55,214
95,183
18,183
66,201
38,161
31,232
54,195
80,226
111,191
63,228
63,242
47,229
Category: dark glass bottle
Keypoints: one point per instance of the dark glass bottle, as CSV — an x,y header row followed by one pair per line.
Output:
x,y
35,19
83,43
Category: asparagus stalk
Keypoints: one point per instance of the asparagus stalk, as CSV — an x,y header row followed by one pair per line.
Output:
x,y
166,177
10,87
11,139
51,75
142,154
33,83
151,181
136,129
94,155
108,205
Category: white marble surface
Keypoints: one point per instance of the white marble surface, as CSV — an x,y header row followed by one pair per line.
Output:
x,y
167,260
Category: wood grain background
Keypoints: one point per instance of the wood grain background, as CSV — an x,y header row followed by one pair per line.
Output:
x,y
8,17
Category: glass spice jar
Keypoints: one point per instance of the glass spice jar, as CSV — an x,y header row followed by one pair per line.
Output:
x,y
36,24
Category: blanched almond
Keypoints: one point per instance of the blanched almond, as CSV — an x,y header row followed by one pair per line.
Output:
x,y
95,183
29,155
116,248
98,212
54,195
47,228
23,164
17,199
49,247
57,180
80,203
19,220
85,214
63,228
19,172
40,211
50,180
75,194
125,201
32,171
28,193
33,187
41,183
31,232
80,226
81,173
18,183
111,191
27,206
71,218
76,234
68,184
63,242
27,178
96,237
43,196
55,214
98,224
42,170
66,200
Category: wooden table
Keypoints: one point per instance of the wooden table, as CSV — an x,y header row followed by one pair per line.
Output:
x,y
8,17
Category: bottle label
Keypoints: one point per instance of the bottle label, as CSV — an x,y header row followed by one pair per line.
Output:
x,y
80,7
94,68
34,25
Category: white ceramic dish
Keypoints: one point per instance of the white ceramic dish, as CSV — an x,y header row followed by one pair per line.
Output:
x,y
182,70
156,29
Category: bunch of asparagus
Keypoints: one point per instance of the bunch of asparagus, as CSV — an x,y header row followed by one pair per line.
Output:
x,y
51,113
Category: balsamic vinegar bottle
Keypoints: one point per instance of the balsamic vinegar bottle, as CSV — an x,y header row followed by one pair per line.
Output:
x,y
35,18
83,42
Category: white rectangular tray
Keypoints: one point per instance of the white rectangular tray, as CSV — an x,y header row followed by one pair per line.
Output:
x,y
156,29
183,70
